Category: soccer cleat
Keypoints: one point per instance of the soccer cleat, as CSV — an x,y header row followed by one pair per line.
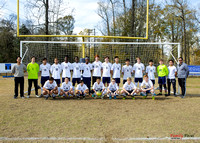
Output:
x,y
160,93
166,95
133,98
41,95
54,97
143,94
115,97
124,98
182,96
153,97
22,97
28,96
144,97
46,97
37,96
15,97
93,95
110,97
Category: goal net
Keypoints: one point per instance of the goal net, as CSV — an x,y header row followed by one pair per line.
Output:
x,y
59,49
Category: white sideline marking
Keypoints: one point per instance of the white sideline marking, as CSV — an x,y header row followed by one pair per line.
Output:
x,y
96,139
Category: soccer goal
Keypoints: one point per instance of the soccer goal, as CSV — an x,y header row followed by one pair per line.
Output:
x,y
145,50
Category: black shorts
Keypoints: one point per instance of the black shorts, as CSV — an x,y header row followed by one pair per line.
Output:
x,y
106,79
129,91
44,79
117,80
57,81
124,81
153,81
138,80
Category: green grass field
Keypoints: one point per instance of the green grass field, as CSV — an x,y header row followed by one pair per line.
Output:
x,y
71,118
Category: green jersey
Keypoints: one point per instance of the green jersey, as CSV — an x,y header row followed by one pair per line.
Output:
x,y
33,70
162,70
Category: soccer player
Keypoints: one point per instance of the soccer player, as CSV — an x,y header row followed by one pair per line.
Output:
x,y
171,77
56,71
86,69
66,69
138,70
127,70
18,71
129,89
162,71
116,68
81,90
33,70
183,73
96,69
45,73
98,87
106,67
76,67
50,88
113,89
150,71
66,88
147,87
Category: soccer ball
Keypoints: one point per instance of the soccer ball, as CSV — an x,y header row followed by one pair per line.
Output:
x,y
99,93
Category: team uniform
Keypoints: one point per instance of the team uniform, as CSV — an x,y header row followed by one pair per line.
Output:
x,y
116,68
147,85
49,86
113,88
82,89
129,87
66,70
171,79
66,86
138,68
45,73
76,67
96,70
87,74
162,71
98,87
56,71
151,70
127,70
106,72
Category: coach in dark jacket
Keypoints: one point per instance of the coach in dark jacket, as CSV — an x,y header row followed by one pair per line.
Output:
x,y
183,73
18,71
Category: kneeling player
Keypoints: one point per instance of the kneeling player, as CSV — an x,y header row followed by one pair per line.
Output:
x,y
81,90
147,87
98,89
113,89
66,88
129,89
50,88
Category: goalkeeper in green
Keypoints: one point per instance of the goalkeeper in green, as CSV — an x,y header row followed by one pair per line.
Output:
x,y
163,72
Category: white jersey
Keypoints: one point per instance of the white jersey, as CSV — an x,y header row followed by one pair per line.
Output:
x,y
116,68
99,86
66,69
86,69
49,86
127,70
66,86
76,67
97,68
138,68
172,70
151,71
129,87
113,87
106,69
55,71
147,85
81,88
45,69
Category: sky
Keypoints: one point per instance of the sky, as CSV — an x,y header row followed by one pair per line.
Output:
x,y
85,11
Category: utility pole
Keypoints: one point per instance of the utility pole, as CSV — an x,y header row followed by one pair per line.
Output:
x,y
47,26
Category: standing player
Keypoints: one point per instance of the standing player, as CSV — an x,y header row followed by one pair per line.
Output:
x,y
150,71
45,73
33,69
66,88
98,87
116,68
147,87
96,69
138,70
127,70
81,90
113,89
129,89
171,77
76,67
162,71
87,68
50,88
18,71
106,67
66,69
